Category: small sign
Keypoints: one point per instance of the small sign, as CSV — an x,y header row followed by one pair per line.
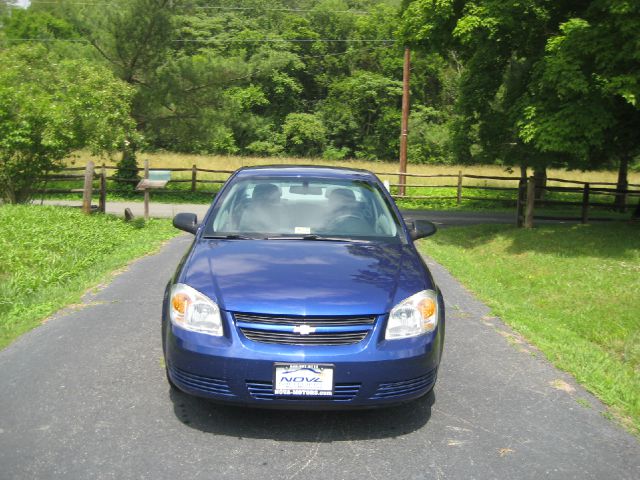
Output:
x,y
157,179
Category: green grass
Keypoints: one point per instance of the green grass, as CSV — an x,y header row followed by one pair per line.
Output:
x,y
49,256
573,291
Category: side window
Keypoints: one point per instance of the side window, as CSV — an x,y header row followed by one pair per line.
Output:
x,y
224,218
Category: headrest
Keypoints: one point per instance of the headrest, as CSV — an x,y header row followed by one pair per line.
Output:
x,y
342,195
266,191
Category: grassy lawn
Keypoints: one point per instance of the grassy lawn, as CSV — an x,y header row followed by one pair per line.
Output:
x,y
50,256
573,291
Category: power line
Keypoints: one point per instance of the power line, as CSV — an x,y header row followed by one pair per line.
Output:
x,y
284,40
231,40
295,10
208,7
341,53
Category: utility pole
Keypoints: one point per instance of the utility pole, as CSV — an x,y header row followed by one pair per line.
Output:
x,y
404,127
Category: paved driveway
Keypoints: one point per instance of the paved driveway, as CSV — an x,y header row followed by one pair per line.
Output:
x,y
84,396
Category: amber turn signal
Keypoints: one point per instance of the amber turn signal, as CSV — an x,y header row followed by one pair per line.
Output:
x,y
180,302
427,307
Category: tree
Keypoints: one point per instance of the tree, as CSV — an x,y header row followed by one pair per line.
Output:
x,y
50,107
5,6
23,24
304,134
584,98
497,42
362,113
546,83
222,76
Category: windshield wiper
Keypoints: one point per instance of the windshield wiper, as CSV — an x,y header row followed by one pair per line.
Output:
x,y
318,238
232,236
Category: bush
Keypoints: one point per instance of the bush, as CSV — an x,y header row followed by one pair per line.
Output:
x,y
265,148
305,134
334,153
50,107
429,137
126,175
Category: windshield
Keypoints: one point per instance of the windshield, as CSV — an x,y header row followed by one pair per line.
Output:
x,y
303,208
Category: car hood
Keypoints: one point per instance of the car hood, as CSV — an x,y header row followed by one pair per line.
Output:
x,y
302,277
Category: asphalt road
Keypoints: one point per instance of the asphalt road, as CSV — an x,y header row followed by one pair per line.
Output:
x,y
84,396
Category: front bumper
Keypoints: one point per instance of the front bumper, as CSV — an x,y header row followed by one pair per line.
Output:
x,y
372,373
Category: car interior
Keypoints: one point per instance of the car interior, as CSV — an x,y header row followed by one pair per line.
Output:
x,y
303,209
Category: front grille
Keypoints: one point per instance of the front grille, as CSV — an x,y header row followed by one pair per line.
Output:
x,y
404,388
342,392
215,386
269,336
311,321
339,330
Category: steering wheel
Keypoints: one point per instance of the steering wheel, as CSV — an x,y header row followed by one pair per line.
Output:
x,y
356,222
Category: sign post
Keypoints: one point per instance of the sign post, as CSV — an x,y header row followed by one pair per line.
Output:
x,y
153,179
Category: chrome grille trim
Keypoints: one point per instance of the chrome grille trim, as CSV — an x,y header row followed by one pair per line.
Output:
x,y
270,336
285,330
311,321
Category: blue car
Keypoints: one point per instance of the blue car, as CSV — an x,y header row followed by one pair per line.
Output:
x,y
303,289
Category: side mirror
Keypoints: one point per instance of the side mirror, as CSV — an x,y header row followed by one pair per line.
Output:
x,y
422,228
186,221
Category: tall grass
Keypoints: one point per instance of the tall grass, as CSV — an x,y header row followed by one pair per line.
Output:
x,y
49,256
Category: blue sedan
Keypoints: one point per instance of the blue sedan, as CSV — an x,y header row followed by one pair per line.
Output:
x,y
303,289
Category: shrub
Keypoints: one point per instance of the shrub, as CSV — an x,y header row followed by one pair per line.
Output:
x,y
50,107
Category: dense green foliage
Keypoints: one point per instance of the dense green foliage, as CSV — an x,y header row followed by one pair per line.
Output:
x,y
50,107
544,83
531,83
255,77
572,291
49,256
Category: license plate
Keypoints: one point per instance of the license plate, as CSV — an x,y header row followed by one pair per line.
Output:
x,y
303,379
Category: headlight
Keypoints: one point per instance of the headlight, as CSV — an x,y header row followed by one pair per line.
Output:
x,y
413,316
193,311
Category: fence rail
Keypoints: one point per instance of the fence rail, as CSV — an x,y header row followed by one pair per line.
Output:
x,y
527,196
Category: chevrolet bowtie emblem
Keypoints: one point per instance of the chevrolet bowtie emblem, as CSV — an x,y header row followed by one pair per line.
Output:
x,y
304,329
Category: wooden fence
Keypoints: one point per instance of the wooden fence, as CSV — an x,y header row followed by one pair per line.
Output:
x,y
526,196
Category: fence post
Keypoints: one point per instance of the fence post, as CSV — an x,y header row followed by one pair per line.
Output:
x,y
102,207
459,186
88,188
585,203
194,176
402,184
522,196
531,198
146,191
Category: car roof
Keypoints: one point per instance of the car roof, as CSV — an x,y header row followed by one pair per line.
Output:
x,y
305,171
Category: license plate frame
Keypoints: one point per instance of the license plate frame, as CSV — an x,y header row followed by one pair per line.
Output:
x,y
303,379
